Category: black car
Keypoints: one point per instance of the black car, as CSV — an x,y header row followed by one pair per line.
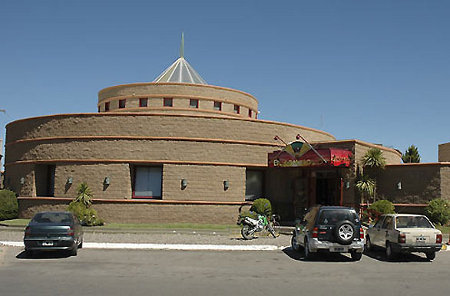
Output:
x,y
53,231
329,229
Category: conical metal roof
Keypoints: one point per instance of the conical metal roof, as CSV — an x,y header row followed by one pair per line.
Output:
x,y
180,71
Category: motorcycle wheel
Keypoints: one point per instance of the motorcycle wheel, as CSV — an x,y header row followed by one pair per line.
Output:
x,y
245,231
272,231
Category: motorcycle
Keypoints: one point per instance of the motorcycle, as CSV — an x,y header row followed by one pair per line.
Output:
x,y
250,226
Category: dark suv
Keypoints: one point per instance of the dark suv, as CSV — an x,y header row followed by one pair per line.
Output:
x,y
329,229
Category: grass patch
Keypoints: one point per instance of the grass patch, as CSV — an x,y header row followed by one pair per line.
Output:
x,y
15,222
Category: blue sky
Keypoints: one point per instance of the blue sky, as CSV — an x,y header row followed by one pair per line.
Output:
x,y
377,71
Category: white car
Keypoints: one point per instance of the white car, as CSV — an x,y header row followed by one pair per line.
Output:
x,y
398,233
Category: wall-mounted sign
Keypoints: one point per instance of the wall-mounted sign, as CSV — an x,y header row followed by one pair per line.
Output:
x,y
334,157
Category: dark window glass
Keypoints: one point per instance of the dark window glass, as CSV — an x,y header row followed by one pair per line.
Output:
x,y
168,102
143,102
218,106
237,109
193,103
107,106
147,182
254,184
122,103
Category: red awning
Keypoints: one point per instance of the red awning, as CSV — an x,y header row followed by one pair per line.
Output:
x,y
334,157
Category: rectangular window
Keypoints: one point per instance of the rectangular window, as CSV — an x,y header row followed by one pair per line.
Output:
x,y
237,109
143,102
98,109
217,106
148,182
168,102
193,103
122,103
250,113
254,184
107,106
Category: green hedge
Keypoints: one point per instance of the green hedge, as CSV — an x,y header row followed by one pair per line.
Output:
x,y
438,210
9,208
262,206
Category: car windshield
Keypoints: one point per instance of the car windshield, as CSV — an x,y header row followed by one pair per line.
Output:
x,y
331,217
413,222
52,218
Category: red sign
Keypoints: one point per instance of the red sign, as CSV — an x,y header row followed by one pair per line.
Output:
x,y
334,157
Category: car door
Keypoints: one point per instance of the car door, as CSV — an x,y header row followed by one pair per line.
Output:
x,y
376,231
387,226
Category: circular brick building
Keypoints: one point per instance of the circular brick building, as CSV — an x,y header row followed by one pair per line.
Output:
x,y
176,149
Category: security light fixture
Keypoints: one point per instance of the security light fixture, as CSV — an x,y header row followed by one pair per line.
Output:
x,y
399,185
183,184
107,181
22,180
69,180
226,185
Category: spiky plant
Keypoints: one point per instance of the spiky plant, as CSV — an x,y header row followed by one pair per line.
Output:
x,y
374,159
84,194
366,186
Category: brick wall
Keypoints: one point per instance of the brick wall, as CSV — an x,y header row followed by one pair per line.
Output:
x,y
128,212
444,152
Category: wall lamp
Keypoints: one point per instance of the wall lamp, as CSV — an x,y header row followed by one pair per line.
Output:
x,y
107,181
399,185
183,184
22,181
226,185
69,181
347,185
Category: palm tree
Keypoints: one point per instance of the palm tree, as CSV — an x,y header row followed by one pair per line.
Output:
x,y
84,194
366,186
411,155
374,159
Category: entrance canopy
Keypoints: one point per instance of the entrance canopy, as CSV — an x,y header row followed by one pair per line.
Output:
x,y
334,158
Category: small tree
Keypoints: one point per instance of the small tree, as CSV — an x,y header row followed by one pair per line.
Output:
x,y
81,207
262,206
84,194
366,186
411,155
383,207
438,210
374,159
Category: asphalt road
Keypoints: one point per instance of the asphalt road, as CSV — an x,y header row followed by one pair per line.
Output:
x,y
159,272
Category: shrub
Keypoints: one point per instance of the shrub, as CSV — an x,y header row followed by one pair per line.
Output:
x,y
438,210
87,216
9,208
382,207
262,206
80,207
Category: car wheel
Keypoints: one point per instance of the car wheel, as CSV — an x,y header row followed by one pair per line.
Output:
x,y
389,252
369,246
74,251
430,255
356,256
345,232
294,244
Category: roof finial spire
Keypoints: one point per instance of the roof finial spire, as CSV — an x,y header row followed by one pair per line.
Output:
x,y
182,45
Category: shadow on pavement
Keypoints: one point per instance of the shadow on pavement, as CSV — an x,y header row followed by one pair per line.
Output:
x,y
43,255
403,257
320,257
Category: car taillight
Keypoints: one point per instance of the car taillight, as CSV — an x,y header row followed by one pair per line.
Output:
x,y
27,231
361,233
315,232
402,238
438,238
70,232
